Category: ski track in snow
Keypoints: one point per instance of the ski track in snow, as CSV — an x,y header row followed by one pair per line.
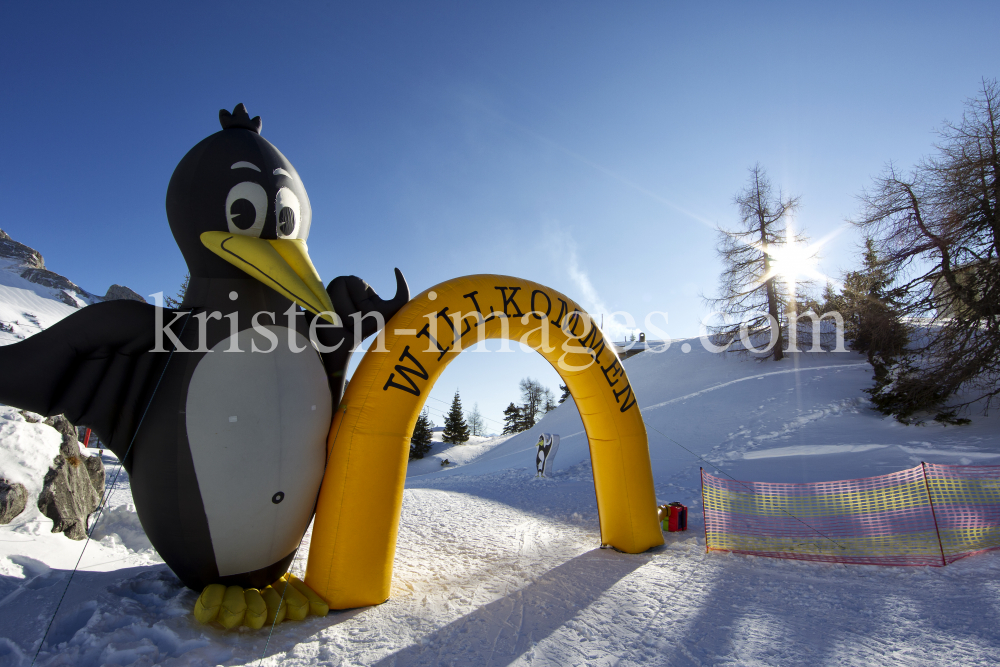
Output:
x,y
759,376
495,567
531,590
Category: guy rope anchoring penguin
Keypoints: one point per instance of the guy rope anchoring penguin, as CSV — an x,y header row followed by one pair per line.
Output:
x,y
220,409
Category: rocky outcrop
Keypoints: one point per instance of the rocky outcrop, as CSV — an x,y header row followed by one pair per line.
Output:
x,y
13,500
47,278
32,268
118,292
53,280
73,486
20,253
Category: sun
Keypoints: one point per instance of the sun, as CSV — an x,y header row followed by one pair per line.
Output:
x,y
795,262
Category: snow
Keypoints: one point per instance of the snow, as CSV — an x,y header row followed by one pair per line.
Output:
x,y
456,455
496,567
26,307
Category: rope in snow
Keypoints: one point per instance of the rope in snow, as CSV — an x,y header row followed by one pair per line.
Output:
x,y
280,602
109,490
817,531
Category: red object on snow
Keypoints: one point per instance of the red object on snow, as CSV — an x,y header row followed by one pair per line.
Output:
x,y
676,519
86,438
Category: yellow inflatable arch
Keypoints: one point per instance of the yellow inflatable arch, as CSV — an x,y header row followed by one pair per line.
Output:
x,y
357,516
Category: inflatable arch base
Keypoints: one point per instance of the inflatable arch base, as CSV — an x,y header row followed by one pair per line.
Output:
x,y
357,515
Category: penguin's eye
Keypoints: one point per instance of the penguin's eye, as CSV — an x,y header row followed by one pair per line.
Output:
x,y
246,208
288,213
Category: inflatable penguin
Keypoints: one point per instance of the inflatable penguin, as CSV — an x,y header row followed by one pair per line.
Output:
x,y
220,409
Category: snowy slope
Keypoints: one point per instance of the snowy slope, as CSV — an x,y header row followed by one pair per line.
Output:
x,y
33,297
495,567
805,418
26,307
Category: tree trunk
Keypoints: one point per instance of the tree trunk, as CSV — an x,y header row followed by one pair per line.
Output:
x,y
772,297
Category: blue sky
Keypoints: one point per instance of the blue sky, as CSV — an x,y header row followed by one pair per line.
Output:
x,y
591,147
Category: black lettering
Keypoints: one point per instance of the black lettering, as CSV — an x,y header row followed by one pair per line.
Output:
x,y
405,372
596,351
548,302
510,301
575,318
468,327
593,341
444,314
616,367
426,331
472,295
628,390
590,338
494,314
562,312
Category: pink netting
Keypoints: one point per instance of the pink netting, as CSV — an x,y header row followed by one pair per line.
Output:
x,y
967,504
884,520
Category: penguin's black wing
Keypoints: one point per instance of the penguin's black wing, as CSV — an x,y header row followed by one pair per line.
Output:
x,y
96,366
353,297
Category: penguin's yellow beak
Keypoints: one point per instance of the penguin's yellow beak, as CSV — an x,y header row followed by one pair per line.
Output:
x,y
281,264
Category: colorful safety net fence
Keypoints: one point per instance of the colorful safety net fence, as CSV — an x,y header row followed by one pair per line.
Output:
x,y
928,515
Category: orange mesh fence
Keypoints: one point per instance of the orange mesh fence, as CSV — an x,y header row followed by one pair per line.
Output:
x,y
927,515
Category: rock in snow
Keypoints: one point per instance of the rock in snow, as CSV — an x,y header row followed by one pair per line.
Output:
x,y
13,500
73,486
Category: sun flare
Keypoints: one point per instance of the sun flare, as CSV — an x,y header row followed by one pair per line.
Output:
x,y
795,262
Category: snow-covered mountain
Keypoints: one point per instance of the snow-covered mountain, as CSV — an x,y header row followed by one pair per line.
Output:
x,y
33,297
496,567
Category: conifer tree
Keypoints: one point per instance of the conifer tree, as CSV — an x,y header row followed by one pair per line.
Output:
x,y
176,301
565,393
456,431
420,441
871,310
512,420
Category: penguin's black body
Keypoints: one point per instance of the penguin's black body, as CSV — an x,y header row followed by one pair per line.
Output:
x,y
219,411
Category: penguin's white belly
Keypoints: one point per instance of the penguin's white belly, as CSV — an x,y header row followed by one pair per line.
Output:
x,y
257,425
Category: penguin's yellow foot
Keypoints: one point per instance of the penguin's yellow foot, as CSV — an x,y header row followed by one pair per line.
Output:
x,y
233,606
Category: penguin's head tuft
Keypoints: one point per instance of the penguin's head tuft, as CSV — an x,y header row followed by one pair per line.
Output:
x,y
234,181
239,119
238,210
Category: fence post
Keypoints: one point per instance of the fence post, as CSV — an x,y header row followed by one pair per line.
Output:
x,y
937,531
704,515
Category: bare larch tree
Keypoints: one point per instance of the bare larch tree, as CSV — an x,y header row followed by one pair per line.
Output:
x,y
751,294
937,229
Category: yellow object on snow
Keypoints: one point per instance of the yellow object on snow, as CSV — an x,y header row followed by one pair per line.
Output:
x,y
317,606
357,516
276,607
233,609
256,609
297,603
206,609
235,606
